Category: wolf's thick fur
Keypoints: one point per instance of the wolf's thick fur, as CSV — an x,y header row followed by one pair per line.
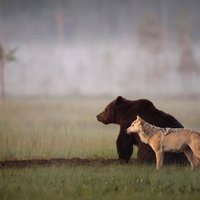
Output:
x,y
169,140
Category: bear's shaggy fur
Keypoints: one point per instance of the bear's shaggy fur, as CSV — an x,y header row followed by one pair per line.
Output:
x,y
123,112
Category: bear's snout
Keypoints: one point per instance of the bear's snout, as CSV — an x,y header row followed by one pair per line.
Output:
x,y
99,117
102,118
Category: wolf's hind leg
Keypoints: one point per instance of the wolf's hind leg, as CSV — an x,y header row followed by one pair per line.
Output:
x,y
196,161
195,148
189,155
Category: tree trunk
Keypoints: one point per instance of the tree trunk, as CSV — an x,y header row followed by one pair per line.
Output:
x,y
2,78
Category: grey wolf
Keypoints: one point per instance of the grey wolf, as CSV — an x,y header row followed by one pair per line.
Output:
x,y
168,140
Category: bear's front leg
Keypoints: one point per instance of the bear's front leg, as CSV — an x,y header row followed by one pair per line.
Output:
x,y
145,153
124,145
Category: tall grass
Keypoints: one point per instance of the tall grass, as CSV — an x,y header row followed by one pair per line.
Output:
x,y
54,128
41,128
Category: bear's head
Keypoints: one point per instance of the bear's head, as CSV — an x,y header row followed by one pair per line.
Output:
x,y
111,114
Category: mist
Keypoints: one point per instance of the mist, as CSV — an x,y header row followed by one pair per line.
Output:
x,y
99,47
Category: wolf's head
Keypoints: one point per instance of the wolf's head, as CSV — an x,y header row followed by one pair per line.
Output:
x,y
139,126
135,127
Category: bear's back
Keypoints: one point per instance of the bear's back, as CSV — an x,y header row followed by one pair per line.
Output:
x,y
146,109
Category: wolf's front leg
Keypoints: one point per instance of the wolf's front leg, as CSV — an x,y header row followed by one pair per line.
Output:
x,y
159,159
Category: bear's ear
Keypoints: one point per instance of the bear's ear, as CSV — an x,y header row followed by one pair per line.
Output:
x,y
119,100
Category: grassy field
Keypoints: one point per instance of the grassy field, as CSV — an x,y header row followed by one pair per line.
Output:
x,y
54,128
67,128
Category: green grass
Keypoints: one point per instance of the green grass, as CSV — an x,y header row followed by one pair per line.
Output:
x,y
99,182
54,128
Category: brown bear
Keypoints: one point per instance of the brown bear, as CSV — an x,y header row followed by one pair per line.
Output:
x,y
123,112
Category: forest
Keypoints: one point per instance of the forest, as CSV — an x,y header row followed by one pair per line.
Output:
x,y
135,47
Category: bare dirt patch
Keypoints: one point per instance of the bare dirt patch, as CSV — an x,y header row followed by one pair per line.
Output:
x,y
59,161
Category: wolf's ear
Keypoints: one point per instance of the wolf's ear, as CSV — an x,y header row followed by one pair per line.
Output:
x,y
119,100
138,118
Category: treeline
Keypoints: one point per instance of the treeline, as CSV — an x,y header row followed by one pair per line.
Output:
x,y
102,19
